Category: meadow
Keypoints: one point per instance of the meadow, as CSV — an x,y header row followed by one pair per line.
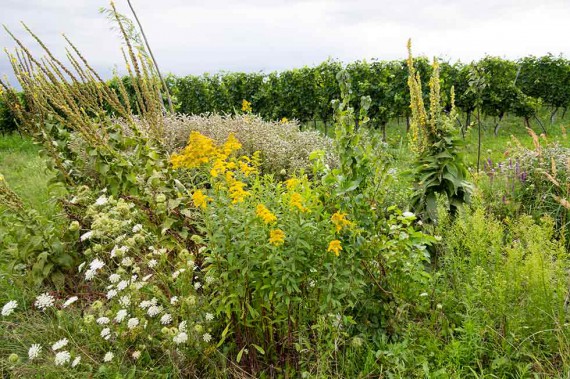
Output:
x,y
138,242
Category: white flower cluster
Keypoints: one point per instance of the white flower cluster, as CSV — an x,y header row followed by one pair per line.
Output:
x,y
9,307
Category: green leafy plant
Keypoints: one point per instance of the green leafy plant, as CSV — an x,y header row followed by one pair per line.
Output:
x,y
439,168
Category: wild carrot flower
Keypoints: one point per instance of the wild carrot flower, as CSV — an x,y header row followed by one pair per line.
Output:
x,y
106,333
181,337
136,354
121,315
9,307
207,337
276,237
103,320
166,319
335,247
34,351
44,301
108,357
265,214
59,344
76,361
70,301
132,323
62,358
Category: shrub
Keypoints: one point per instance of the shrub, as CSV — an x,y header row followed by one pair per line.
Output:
x,y
282,145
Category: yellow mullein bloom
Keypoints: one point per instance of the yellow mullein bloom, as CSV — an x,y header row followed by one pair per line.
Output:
x,y
339,220
276,237
199,199
334,246
265,214
297,202
246,106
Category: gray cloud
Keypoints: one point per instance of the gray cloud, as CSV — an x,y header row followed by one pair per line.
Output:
x,y
191,37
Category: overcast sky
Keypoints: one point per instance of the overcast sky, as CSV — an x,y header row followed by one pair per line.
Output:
x,y
193,37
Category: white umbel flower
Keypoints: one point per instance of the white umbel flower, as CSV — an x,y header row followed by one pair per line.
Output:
x,y
70,301
102,200
34,351
76,361
96,264
181,337
125,301
86,236
133,323
174,300
166,319
62,358
121,315
106,333
59,344
209,317
44,301
207,337
9,307
154,310
111,294
152,263
136,354
137,228
122,285
108,357
114,278
103,320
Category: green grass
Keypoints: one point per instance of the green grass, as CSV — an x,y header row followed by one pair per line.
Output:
x,y
26,171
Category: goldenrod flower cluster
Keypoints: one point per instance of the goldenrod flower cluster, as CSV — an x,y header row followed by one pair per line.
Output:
x,y
265,214
276,237
335,247
246,106
297,202
200,150
236,188
339,220
200,200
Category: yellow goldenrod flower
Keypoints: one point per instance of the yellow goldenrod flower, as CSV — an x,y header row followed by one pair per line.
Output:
x,y
276,237
200,150
265,214
199,199
339,220
297,202
232,144
237,192
334,246
292,183
246,106
246,169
